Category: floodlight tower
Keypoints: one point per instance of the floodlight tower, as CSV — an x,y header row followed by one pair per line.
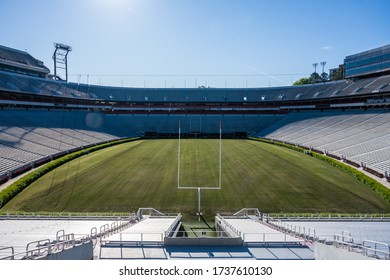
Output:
x,y
60,58
323,63
315,67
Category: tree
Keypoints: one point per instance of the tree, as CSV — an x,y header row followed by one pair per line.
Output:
x,y
302,81
338,74
313,79
324,77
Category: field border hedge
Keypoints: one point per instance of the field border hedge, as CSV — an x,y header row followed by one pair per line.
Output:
x,y
377,187
16,187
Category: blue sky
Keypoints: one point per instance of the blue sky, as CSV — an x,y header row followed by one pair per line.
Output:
x,y
188,43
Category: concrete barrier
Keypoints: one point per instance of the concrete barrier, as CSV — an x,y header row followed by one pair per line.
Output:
x,y
203,241
330,252
81,252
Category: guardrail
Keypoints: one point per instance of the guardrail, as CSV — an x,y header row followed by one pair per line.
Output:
x,y
168,232
151,212
63,216
225,225
44,247
269,238
307,233
8,256
376,249
248,212
137,239
369,248
331,217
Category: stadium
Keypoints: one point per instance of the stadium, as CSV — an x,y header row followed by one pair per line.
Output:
x,y
103,172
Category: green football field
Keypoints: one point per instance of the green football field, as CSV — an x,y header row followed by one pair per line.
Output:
x,y
144,173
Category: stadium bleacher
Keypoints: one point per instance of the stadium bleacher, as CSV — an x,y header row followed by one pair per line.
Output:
x,y
30,135
35,85
359,136
42,117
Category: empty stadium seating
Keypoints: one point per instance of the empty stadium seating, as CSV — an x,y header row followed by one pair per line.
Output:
x,y
21,83
31,134
360,136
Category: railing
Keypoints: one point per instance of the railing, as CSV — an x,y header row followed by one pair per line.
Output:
x,y
8,256
64,241
376,249
369,248
331,217
268,238
200,234
248,212
307,233
151,212
45,247
225,225
61,216
137,239
343,240
168,232
117,226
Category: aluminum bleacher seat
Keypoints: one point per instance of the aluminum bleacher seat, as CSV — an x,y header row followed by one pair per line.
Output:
x,y
363,137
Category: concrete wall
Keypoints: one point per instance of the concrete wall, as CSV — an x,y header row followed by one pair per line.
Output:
x,y
80,252
329,252
203,241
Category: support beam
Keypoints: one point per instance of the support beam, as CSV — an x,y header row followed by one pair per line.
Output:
x,y
60,57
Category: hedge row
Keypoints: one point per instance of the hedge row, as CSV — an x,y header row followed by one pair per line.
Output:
x,y
15,188
371,183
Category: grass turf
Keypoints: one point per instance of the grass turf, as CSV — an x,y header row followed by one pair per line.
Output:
x,y
144,174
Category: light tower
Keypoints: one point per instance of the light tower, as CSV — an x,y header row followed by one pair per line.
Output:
x,y
315,67
314,75
323,63
60,58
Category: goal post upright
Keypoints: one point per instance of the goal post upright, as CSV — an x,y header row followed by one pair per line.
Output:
x,y
220,155
178,161
219,168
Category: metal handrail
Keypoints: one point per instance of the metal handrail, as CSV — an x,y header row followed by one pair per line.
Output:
x,y
345,239
375,250
266,238
151,211
226,224
48,248
308,233
11,257
63,240
174,223
60,216
246,211
202,234
137,238
330,217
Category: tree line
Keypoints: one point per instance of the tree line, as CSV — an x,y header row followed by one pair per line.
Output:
x,y
314,78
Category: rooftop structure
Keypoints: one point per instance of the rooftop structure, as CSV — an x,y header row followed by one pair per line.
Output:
x,y
12,60
368,63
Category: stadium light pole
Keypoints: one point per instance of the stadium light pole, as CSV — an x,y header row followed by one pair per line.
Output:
x,y
315,67
315,72
323,63
60,57
323,70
